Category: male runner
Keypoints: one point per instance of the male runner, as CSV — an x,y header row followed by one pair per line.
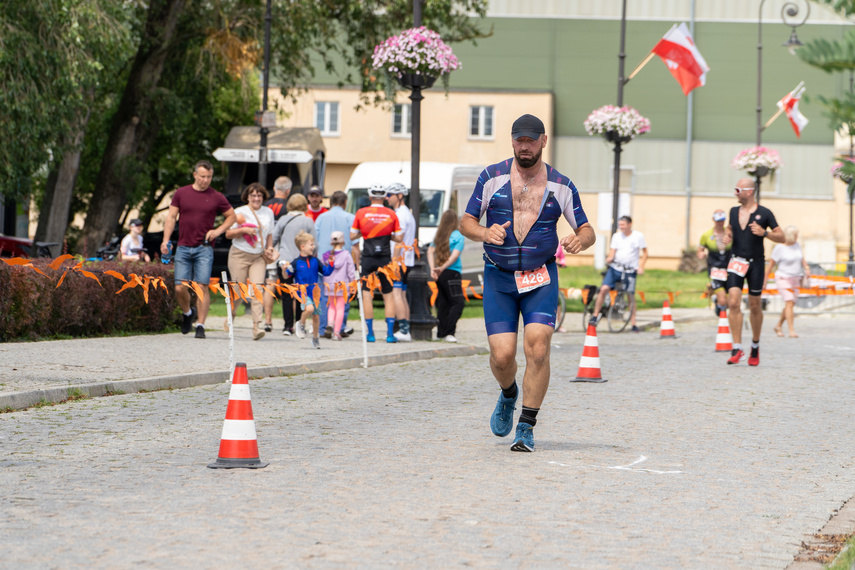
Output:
x,y
523,199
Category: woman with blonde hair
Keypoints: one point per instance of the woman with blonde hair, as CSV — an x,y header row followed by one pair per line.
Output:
x,y
789,265
445,266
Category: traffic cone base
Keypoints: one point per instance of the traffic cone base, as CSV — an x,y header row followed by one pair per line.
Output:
x,y
589,364
666,327
239,443
723,339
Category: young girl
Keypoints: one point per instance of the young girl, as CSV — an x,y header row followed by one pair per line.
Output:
x,y
343,271
132,244
306,269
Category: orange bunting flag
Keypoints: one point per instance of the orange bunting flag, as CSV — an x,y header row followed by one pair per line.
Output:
x,y
641,294
16,261
244,290
259,293
61,279
612,295
476,295
197,288
671,297
88,274
464,283
129,285
433,292
316,296
585,296
37,270
146,283
111,273
57,263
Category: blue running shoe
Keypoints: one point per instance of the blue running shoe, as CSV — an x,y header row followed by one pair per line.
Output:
x,y
524,440
502,419
369,337
391,339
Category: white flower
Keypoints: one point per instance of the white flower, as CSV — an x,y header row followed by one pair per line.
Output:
x,y
625,121
752,158
418,50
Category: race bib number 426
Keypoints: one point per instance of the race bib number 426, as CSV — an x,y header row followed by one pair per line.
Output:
x,y
529,280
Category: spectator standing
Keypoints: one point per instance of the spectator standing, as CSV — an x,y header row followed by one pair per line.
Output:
x,y
405,253
252,247
523,199
284,233
445,266
132,244
336,219
198,206
627,256
316,196
717,253
379,227
278,205
306,270
748,225
789,265
343,272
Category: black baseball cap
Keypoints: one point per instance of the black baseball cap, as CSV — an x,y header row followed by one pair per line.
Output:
x,y
136,222
528,126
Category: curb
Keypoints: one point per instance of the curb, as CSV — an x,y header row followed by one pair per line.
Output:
x,y
27,399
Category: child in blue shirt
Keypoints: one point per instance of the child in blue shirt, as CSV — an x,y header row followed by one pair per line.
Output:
x,y
306,270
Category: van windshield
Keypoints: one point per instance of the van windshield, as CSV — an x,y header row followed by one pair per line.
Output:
x,y
430,207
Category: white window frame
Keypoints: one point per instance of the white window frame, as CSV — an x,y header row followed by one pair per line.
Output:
x,y
327,107
406,121
481,123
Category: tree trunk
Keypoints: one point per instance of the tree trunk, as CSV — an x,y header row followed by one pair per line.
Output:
x,y
134,125
56,206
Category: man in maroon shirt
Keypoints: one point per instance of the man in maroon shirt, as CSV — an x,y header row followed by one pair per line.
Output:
x,y
198,205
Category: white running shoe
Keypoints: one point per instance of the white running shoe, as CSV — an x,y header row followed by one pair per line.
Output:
x,y
299,330
450,338
403,337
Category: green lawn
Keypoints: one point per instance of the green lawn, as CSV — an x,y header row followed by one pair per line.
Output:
x,y
655,284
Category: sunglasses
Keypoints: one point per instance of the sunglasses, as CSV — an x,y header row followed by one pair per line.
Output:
x,y
740,190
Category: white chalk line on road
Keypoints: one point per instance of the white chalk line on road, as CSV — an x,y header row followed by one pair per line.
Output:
x,y
629,467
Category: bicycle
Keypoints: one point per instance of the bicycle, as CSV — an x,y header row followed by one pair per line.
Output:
x,y
617,305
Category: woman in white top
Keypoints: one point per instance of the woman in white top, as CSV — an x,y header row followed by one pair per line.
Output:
x,y
252,247
789,266
132,244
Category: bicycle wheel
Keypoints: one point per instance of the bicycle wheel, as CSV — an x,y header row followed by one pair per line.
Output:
x,y
620,312
561,311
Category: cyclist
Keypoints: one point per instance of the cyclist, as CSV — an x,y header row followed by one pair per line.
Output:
x,y
717,253
627,257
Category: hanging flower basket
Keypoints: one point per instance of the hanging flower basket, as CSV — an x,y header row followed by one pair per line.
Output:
x,y
757,160
844,170
617,124
415,58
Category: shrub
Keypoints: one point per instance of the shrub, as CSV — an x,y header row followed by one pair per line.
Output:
x,y
32,306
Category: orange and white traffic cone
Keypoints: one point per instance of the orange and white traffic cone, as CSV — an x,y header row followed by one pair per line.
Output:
x,y
238,444
723,339
666,328
589,364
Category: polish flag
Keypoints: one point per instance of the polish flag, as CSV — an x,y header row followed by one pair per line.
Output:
x,y
684,61
790,105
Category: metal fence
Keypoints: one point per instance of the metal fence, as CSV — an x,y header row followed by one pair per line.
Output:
x,y
831,291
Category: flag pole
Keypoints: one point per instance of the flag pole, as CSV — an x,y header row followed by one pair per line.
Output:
x,y
640,65
775,116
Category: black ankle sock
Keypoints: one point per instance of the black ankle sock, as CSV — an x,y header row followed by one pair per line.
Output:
x,y
510,392
529,416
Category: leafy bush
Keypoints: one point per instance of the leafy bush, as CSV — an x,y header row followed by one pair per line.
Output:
x,y
32,306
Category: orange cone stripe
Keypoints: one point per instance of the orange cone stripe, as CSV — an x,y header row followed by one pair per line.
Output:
x,y
239,449
239,410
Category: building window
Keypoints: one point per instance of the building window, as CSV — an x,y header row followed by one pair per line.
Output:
x,y
481,122
402,120
327,117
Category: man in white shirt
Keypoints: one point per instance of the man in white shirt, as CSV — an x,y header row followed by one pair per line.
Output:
x,y
627,256
404,251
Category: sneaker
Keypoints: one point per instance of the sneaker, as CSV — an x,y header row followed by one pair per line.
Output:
x,y
369,337
257,334
403,337
754,359
300,330
635,329
736,356
268,327
524,439
287,332
336,337
594,321
187,321
315,342
450,338
391,339
347,332
328,332
200,331
502,419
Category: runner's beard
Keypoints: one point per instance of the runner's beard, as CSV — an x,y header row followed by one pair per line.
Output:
x,y
528,162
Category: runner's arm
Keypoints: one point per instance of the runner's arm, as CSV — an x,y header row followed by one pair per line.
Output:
x,y
168,227
470,228
642,261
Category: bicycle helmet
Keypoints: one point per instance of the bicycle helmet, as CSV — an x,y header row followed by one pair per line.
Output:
x,y
377,191
397,188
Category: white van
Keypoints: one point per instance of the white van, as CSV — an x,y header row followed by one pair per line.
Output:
x,y
443,186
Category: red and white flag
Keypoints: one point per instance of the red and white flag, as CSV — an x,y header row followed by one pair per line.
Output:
x,y
790,105
684,61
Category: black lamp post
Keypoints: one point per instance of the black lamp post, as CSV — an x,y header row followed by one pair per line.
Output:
x,y
788,10
262,155
612,136
421,319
